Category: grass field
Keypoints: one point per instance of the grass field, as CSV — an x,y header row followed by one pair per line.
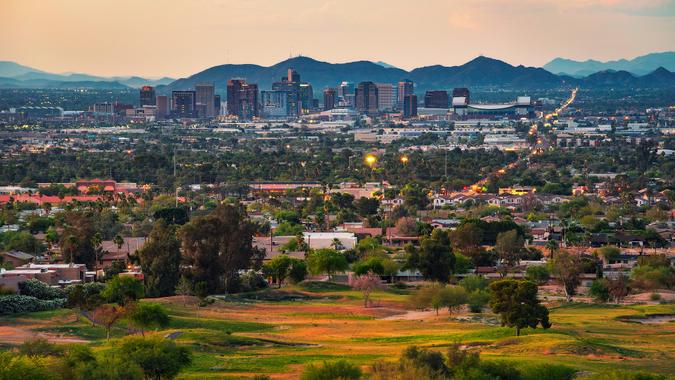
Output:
x,y
277,332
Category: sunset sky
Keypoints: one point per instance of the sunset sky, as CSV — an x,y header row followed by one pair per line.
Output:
x,y
178,38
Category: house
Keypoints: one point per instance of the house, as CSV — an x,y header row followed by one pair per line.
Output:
x,y
63,274
16,258
318,240
11,279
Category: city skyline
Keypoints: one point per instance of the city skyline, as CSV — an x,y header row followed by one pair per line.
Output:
x,y
177,39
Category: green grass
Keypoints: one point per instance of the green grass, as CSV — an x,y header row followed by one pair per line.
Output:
x,y
182,322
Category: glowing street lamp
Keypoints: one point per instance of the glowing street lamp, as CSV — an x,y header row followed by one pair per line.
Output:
x,y
404,160
371,160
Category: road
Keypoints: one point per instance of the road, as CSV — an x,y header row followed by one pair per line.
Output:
x,y
477,187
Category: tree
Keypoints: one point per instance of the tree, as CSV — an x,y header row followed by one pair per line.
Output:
x,y
406,226
599,290
539,274
366,283
14,366
327,260
160,260
158,358
509,246
217,246
517,304
106,315
146,315
79,229
608,253
618,288
477,300
123,289
474,282
298,271
119,242
367,206
86,296
434,259
278,268
567,269
466,238
449,296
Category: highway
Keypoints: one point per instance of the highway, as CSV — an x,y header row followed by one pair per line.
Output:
x,y
478,186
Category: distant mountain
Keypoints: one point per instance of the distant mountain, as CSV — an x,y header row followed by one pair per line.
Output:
x,y
659,78
10,69
28,77
48,83
639,66
480,72
385,65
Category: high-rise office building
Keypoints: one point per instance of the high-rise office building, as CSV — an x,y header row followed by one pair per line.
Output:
x,y
163,106
436,99
405,87
205,95
183,104
216,104
242,98
306,97
366,98
274,104
410,106
147,96
386,97
329,99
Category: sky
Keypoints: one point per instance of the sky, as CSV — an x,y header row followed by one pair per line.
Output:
x,y
178,38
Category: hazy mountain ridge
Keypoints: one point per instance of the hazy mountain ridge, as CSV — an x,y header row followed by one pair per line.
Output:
x,y
481,72
16,75
638,66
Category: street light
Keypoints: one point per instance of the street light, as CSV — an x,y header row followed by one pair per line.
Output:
x,y
404,159
370,160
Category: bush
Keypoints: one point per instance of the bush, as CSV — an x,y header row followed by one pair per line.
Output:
x,y
252,281
22,367
547,371
158,358
340,370
474,282
477,300
625,375
27,304
298,271
599,290
39,347
538,274
122,289
655,297
40,290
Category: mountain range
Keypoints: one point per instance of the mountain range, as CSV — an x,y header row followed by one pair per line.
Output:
x,y
14,75
481,72
639,66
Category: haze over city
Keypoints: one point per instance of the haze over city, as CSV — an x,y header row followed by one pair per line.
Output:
x,y
179,38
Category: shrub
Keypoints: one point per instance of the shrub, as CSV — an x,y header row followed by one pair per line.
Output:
x,y
40,290
474,282
298,271
158,358
22,367
547,371
121,289
625,375
477,300
252,281
27,304
655,297
339,370
599,290
39,347
538,274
